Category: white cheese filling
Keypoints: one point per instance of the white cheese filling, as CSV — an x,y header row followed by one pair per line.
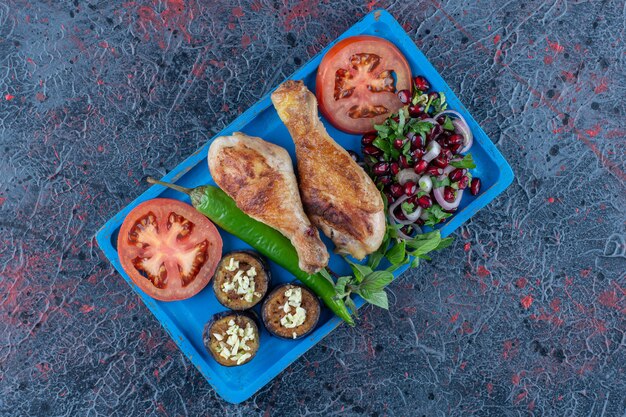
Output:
x,y
235,346
243,281
297,318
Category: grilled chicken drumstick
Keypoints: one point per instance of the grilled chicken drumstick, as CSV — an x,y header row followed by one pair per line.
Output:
x,y
259,176
338,195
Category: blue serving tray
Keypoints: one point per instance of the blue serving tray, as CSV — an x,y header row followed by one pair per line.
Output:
x,y
184,320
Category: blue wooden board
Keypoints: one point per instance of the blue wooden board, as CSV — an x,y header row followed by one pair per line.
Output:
x,y
184,320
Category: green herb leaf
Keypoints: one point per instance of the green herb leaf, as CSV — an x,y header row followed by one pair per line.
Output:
x,y
466,162
350,304
447,125
376,280
374,259
378,298
440,104
396,254
359,270
324,272
444,243
382,128
435,214
382,144
407,207
422,247
415,263
440,182
340,286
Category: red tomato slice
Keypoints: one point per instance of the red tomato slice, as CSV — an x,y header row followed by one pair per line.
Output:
x,y
357,82
169,249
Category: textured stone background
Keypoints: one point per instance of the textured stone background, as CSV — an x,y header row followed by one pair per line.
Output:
x,y
524,315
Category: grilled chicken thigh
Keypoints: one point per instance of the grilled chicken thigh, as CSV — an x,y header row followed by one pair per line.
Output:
x,y
259,176
338,195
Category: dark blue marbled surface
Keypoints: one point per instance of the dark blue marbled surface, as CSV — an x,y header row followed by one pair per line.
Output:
x,y
524,315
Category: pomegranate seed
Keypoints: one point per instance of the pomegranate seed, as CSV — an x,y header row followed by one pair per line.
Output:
x,y
380,168
454,139
434,132
415,110
421,167
354,156
441,120
396,119
448,194
441,161
407,230
447,153
396,190
433,96
394,168
383,179
404,163
410,188
463,182
404,96
419,222
425,201
421,83
443,141
399,215
417,154
417,142
390,198
455,147
368,139
456,175
433,170
372,150
398,143
475,186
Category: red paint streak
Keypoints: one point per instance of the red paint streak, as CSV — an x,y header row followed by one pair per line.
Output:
x,y
463,365
594,131
521,282
520,397
585,272
256,6
548,60
555,305
609,299
551,200
454,318
489,388
510,348
86,308
555,46
44,368
300,10
467,247
40,97
237,12
527,301
99,81
9,97
371,5
176,16
483,272
496,39
531,405
198,69
245,41
2,200
515,379
602,87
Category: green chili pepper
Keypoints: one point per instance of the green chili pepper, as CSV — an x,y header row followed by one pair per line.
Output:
x,y
222,210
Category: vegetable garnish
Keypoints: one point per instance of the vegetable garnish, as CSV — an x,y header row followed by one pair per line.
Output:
x,y
418,160
222,210
369,283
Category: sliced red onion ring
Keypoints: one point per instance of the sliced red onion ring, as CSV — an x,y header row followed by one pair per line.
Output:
x,y
461,126
407,175
433,149
394,206
412,216
438,192
425,183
